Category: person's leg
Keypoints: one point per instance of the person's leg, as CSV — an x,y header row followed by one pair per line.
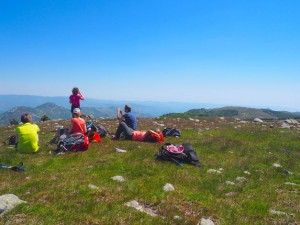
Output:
x,y
124,128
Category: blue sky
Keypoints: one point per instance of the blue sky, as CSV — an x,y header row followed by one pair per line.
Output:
x,y
228,52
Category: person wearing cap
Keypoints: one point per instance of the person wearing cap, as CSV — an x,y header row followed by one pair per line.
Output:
x,y
27,138
78,124
128,117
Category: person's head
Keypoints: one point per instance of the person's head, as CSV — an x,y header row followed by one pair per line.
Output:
x,y
155,137
127,108
75,90
76,112
26,118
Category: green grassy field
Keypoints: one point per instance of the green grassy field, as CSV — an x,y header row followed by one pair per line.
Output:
x,y
56,190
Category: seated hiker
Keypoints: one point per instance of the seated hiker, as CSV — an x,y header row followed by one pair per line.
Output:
x,y
138,135
27,135
128,117
77,125
93,134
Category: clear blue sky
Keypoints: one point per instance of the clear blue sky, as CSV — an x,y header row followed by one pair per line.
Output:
x,y
231,52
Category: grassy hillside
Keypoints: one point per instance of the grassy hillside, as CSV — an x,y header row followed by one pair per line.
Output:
x,y
56,186
242,112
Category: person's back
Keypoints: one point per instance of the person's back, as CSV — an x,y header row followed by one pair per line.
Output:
x,y
130,120
27,135
78,125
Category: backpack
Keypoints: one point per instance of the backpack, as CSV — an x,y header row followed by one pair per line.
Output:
x,y
102,131
168,131
178,154
75,142
12,140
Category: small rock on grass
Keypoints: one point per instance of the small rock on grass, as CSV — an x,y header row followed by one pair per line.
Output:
x,y
118,150
229,182
241,179
168,187
91,186
274,212
8,202
205,221
247,172
135,204
118,178
213,171
277,165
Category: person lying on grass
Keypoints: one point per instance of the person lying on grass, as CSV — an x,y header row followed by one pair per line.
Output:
x,y
138,135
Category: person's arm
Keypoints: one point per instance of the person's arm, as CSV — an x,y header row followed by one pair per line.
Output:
x,y
70,100
146,135
120,115
82,97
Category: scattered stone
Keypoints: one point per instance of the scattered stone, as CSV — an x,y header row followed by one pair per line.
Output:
x,y
247,172
291,121
177,217
230,194
229,182
137,206
213,171
240,179
271,126
118,150
285,125
257,120
118,178
168,187
205,221
274,212
293,184
91,186
222,118
277,165
8,202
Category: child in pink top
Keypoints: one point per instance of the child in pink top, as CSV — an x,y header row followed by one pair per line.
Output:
x,y
75,98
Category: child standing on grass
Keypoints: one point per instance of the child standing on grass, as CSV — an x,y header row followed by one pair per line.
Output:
x,y
75,98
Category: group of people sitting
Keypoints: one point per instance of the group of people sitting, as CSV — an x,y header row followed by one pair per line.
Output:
x,y
27,133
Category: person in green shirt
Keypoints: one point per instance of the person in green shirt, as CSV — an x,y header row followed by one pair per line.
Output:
x,y
27,135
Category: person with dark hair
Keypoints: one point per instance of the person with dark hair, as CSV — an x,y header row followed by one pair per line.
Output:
x,y
138,135
75,98
128,117
27,135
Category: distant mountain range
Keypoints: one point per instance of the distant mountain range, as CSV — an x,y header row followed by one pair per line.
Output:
x,y
239,112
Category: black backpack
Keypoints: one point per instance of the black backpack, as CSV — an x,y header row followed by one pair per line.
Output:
x,y
168,131
101,130
12,140
187,156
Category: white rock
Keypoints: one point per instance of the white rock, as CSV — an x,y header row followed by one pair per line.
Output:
x,y
229,182
285,126
213,171
204,221
177,217
292,121
247,172
8,202
257,120
168,187
240,179
274,212
137,206
118,150
276,165
293,184
221,169
91,186
118,178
